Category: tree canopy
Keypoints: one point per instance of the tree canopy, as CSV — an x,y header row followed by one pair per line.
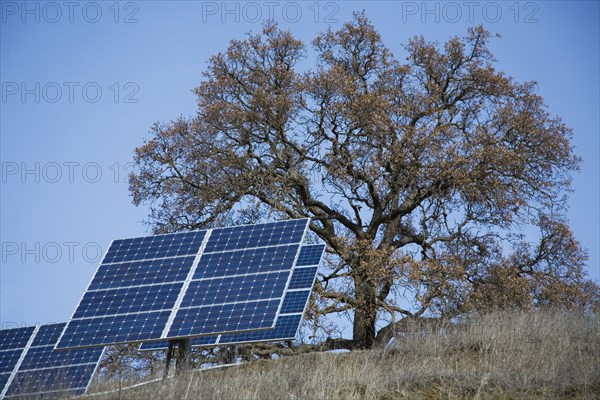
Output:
x,y
437,182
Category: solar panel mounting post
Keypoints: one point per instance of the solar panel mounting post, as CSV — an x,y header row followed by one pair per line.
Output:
x,y
184,355
231,354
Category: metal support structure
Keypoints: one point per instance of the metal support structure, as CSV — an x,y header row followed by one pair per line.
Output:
x,y
184,355
231,354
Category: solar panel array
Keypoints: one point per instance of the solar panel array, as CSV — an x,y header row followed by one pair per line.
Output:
x,y
206,282
30,367
293,307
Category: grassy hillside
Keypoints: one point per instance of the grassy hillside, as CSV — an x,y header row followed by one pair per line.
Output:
x,y
502,356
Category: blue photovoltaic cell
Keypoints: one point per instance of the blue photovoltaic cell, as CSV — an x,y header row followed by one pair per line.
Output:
x,y
16,338
303,278
128,300
134,290
158,345
8,360
203,340
12,346
293,305
43,372
118,329
246,261
294,302
290,315
47,334
141,291
224,317
271,234
46,356
147,272
232,251
286,328
247,287
51,380
157,246
3,380
310,255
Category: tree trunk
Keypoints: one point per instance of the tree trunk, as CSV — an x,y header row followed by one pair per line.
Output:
x,y
364,314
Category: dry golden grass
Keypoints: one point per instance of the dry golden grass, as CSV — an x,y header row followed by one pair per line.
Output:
x,y
545,355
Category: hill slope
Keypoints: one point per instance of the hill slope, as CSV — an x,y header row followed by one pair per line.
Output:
x,y
501,356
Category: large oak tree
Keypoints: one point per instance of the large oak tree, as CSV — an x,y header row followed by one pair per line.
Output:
x,y
435,178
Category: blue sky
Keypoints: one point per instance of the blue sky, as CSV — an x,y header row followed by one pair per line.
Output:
x,y
82,83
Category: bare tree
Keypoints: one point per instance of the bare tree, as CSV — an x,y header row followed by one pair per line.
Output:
x,y
416,174
123,362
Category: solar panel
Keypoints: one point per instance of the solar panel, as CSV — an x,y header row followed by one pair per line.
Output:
x,y
13,343
200,283
310,255
15,338
30,367
288,322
